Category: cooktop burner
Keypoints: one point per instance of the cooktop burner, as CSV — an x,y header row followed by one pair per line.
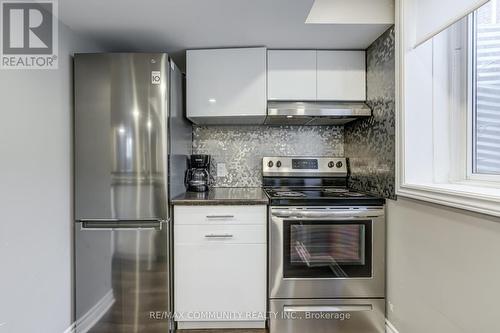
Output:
x,y
353,194
291,194
336,190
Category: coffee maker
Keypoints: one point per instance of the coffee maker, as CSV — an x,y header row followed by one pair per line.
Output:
x,y
197,178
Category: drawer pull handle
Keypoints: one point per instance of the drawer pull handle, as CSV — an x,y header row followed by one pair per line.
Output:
x,y
329,308
219,236
220,216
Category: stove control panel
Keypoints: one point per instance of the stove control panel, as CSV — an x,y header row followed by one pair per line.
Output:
x,y
304,166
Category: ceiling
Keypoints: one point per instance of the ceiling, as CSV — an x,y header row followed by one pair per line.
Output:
x,y
176,25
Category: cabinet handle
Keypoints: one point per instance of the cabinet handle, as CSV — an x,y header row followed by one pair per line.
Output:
x,y
219,236
220,216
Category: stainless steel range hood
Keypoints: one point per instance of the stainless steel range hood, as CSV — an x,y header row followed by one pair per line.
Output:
x,y
315,113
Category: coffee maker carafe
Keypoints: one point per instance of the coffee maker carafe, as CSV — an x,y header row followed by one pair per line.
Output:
x,y
197,177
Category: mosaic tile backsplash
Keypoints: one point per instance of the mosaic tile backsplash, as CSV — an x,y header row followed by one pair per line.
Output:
x,y
241,148
370,143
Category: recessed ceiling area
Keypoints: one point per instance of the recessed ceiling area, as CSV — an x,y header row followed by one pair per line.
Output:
x,y
176,25
352,12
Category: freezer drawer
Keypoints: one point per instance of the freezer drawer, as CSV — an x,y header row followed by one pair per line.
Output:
x,y
122,277
327,316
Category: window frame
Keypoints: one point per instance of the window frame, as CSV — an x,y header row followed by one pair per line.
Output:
x,y
472,176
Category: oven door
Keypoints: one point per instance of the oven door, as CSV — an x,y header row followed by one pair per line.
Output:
x,y
324,252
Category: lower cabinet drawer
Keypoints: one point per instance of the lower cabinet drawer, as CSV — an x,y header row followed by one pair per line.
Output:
x,y
219,234
219,282
202,215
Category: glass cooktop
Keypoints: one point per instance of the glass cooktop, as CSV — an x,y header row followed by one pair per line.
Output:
x,y
320,196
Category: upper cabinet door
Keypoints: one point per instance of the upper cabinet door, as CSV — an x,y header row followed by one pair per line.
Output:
x,y
342,75
226,86
291,75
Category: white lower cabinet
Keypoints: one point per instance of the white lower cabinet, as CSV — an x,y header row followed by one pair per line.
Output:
x,y
220,268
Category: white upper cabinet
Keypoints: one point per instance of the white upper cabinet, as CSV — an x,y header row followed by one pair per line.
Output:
x,y
310,75
291,75
226,86
341,75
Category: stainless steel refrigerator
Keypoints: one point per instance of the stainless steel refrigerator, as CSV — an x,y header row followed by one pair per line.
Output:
x,y
131,145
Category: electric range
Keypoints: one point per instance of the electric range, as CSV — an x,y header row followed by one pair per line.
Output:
x,y
326,248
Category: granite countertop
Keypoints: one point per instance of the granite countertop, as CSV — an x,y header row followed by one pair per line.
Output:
x,y
223,196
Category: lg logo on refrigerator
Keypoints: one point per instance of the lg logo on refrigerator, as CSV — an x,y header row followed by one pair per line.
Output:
x,y
29,34
155,77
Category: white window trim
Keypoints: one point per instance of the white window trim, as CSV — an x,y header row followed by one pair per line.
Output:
x,y
468,196
482,179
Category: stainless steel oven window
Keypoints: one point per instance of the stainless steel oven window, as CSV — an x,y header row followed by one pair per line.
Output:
x,y
327,249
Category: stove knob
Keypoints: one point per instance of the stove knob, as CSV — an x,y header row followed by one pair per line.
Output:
x,y
331,164
339,164
270,164
278,164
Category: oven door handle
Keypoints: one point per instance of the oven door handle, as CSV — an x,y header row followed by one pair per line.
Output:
x,y
327,308
283,213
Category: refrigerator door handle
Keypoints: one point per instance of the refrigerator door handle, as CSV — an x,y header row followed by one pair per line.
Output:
x,y
122,225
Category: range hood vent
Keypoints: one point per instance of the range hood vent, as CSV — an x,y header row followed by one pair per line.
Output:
x,y
315,113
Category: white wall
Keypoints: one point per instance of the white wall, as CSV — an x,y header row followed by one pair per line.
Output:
x,y
443,269
36,194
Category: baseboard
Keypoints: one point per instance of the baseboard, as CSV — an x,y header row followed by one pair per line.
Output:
x,y
389,327
91,317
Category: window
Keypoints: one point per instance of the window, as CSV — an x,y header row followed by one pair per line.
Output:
x,y
485,118
448,105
